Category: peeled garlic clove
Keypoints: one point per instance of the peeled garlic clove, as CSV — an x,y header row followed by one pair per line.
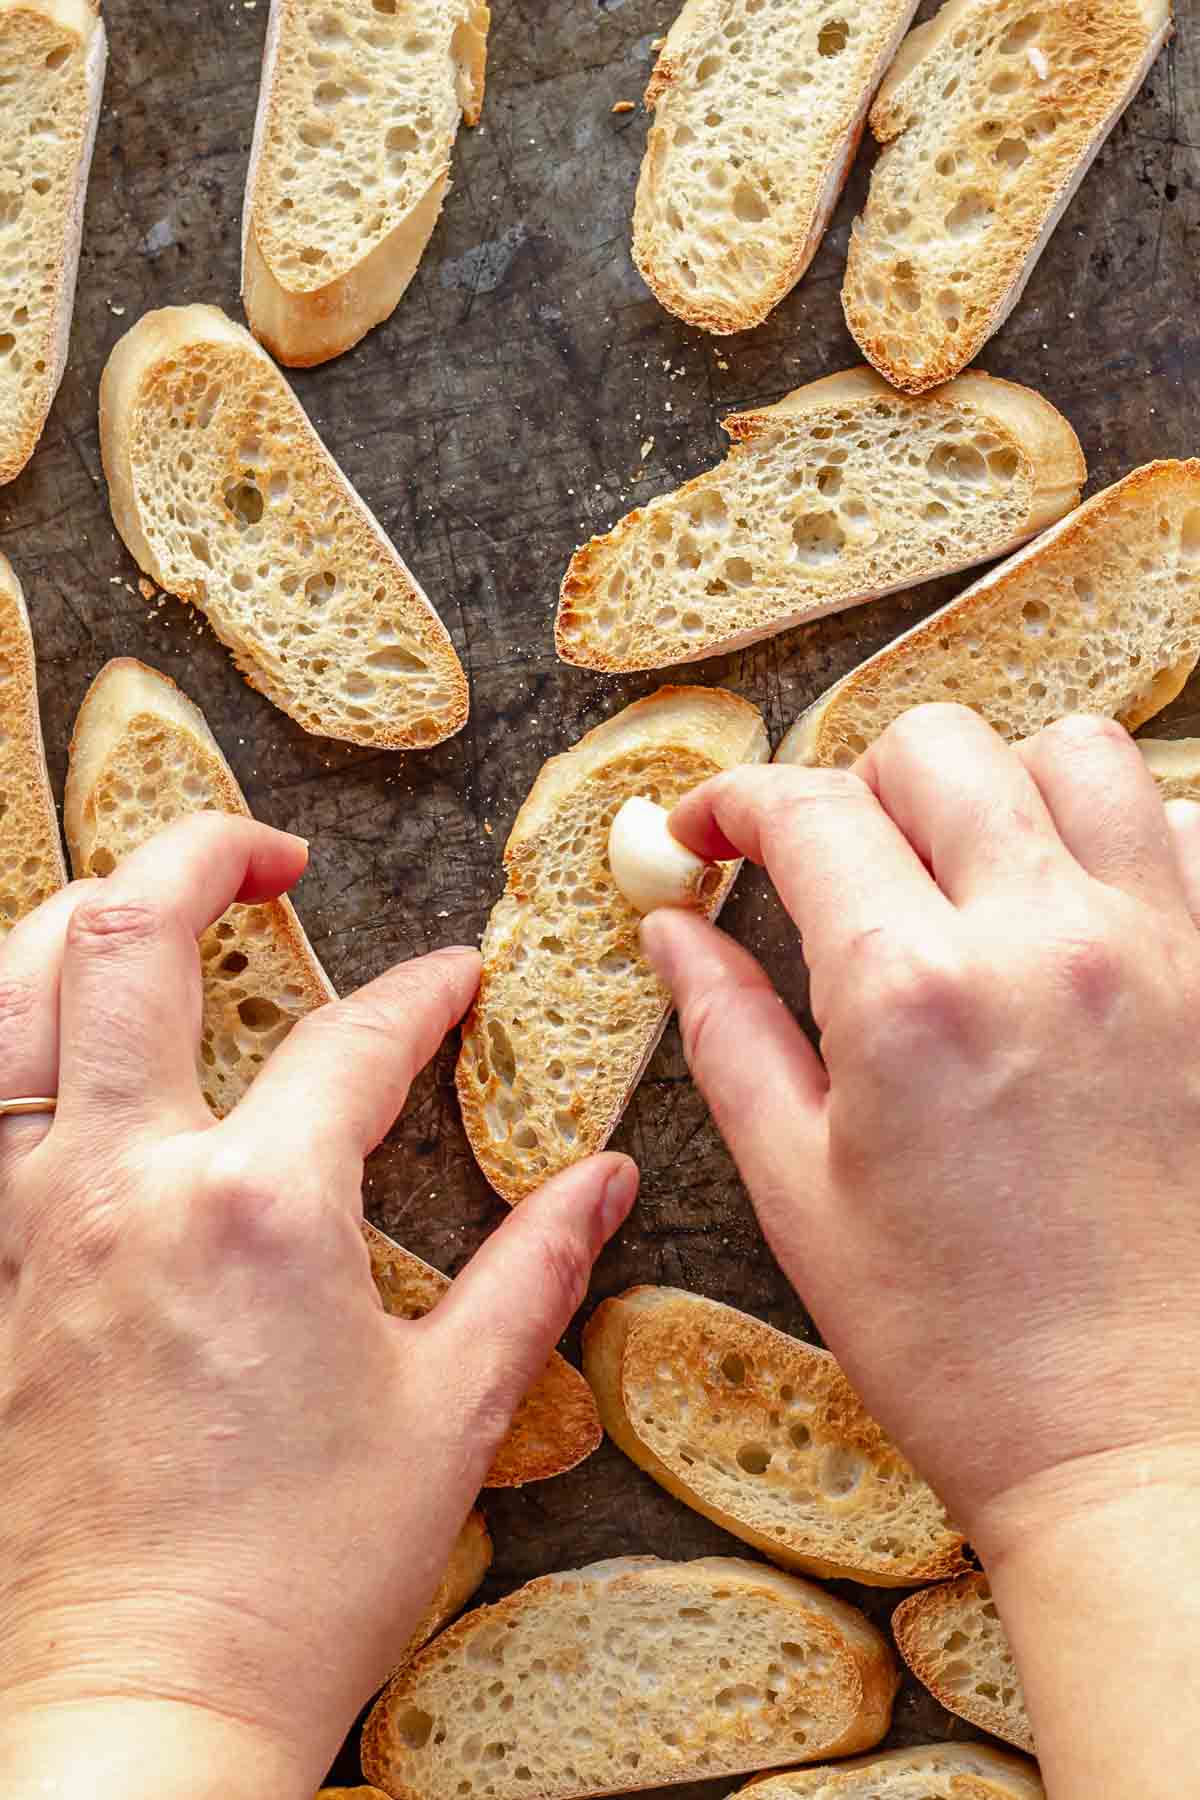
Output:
x,y
651,867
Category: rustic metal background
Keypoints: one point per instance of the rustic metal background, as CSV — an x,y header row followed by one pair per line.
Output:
x,y
493,424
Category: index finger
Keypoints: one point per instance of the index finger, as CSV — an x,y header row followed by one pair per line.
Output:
x,y
335,1086
844,870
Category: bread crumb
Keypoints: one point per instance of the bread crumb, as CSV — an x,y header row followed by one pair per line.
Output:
x,y
118,312
623,106
146,587
647,447
721,363
658,43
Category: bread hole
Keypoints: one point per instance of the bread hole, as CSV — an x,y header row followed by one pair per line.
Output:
x,y
754,1458
935,511
235,963
951,88
1011,152
1004,464
829,481
748,204
733,1368
329,93
1189,536
57,58
503,1057
258,1015
244,500
970,216
833,37
800,1435
818,538
737,1697
796,1654
960,463
1040,125
841,1471
397,661
1019,36
1005,81
565,1126
401,139
707,67
7,342
200,548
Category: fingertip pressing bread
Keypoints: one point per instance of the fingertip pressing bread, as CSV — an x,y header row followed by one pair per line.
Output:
x,y
358,110
556,1425
225,494
1101,614
142,756
841,492
758,111
993,112
952,1640
631,1674
31,857
52,60
569,1011
765,1436
934,1772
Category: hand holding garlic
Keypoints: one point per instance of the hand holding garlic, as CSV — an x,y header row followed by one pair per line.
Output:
x,y
652,868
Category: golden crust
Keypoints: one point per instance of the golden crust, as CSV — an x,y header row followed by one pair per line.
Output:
x,y
31,858
820,177
1016,115
556,1425
952,643
569,1012
355,650
923,1626
658,1356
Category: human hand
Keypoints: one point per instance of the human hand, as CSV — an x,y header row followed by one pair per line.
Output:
x,y
231,1481
985,1191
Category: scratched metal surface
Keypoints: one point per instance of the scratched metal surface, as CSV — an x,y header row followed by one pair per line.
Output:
x,y
492,424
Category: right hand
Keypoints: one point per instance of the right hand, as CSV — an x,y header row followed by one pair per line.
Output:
x,y
985,1186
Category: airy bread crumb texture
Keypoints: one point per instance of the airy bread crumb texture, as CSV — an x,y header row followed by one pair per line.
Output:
x,y
995,106
556,1425
757,108
1099,615
569,1010
764,1435
242,511
48,103
933,1772
31,858
839,493
260,975
367,98
952,1640
631,1674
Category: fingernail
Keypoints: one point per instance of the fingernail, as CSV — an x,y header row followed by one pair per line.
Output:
x,y
456,950
656,946
297,839
620,1192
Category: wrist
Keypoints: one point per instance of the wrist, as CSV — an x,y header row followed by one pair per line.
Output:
x,y
1095,1571
140,1749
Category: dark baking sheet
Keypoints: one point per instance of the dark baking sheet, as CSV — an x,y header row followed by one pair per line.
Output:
x,y
493,424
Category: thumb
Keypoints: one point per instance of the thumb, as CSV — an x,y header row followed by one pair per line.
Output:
x,y
492,1335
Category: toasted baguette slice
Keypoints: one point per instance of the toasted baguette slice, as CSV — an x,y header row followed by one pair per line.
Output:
x,y
225,494
629,1674
52,58
1174,764
952,1640
843,491
142,756
358,1793
936,1772
1100,615
470,1560
765,1436
31,857
557,1424
569,1011
358,111
758,111
994,111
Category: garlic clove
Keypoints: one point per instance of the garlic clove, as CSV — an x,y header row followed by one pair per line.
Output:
x,y
652,868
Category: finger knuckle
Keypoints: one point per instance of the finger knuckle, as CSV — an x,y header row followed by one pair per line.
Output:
x,y
249,1206
1083,734
102,927
911,1002
790,805
1091,968
565,1266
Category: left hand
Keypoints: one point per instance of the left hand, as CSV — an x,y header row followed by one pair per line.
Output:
x,y
230,1480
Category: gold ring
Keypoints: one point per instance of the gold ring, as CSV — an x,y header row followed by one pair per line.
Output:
x,y
19,1109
